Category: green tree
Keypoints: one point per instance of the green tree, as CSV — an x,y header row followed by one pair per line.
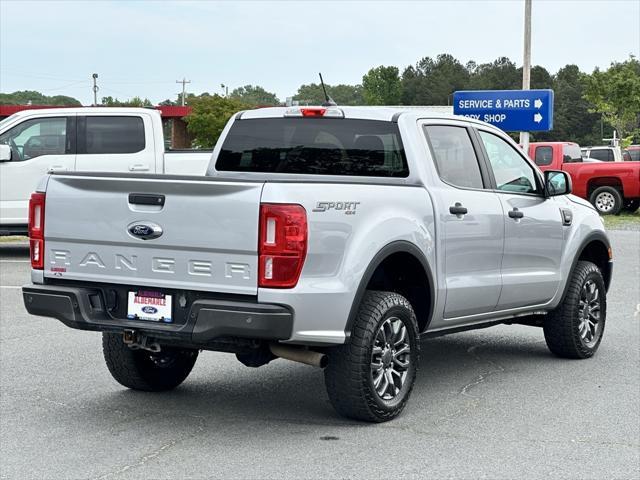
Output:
x,y
382,86
572,119
256,96
312,94
31,97
615,94
540,77
133,102
501,74
432,82
347,94
168,102
208,116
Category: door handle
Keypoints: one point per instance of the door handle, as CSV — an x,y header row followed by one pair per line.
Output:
x,y
58,168
138,167
515,213
458,209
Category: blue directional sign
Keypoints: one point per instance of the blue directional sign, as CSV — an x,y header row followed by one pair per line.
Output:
x,y
510,110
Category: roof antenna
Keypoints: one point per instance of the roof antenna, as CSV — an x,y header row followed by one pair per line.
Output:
x,y
328,101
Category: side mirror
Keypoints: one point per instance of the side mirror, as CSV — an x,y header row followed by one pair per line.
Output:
x,y
5,153
557,183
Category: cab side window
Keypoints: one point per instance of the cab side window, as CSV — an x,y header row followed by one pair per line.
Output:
x,y
110,135
511,171
454,156
37,137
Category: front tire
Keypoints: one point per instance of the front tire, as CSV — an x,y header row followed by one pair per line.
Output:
x,y
372,376
144,370
575,328
607,200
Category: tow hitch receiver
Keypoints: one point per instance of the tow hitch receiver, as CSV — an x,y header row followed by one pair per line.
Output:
x,y
129,336
139,342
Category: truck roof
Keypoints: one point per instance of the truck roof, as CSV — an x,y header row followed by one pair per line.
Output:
x,y
383,113
81,110
554,143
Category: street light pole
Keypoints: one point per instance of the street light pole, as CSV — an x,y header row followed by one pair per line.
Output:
x,y
95,89
526,65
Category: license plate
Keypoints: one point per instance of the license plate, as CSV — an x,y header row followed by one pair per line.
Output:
x,y
149,305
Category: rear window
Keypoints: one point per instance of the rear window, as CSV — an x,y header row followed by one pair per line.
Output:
x,y
314,146
571,153
544,156
605,155
634,154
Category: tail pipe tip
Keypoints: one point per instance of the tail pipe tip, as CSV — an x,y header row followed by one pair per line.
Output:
x,y
300,355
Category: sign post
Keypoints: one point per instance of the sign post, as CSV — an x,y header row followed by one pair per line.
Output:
x,y
509,110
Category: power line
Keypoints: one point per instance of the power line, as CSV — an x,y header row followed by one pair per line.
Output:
x,y
38,76
62,87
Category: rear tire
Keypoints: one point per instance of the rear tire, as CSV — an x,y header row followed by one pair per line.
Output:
x,y
575,328
631,205
144,370
607,200
372,376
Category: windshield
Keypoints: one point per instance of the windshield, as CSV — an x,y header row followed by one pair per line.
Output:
x,y
314,146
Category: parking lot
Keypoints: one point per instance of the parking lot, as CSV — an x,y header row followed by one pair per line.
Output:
x,y
487,404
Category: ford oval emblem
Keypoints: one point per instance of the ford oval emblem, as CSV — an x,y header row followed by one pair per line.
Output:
x,y
144,230
149,309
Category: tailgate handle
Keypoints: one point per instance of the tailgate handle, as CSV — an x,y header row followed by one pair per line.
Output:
x,y
146,199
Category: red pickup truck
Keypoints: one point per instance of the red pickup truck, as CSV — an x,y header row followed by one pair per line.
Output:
x,y
609,186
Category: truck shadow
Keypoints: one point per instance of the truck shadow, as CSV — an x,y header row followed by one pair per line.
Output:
x,y
15,250
289,393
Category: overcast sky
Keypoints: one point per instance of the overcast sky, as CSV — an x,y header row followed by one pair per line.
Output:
x,y
141,48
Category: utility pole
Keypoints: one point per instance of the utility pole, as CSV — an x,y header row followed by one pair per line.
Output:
x,y
526,65
95,89
184,82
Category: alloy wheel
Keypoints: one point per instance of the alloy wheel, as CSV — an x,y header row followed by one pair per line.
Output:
x,y
390,358
589,314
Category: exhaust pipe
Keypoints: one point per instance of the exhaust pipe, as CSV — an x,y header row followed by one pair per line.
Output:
x,y
300,355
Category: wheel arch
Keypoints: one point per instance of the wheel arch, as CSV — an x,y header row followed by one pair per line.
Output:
x,y
385,262
594,248
597,182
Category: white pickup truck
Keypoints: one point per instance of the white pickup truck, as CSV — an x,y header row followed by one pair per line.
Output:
x,y
88,139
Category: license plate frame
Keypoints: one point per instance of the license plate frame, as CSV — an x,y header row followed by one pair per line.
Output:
x,y
150,306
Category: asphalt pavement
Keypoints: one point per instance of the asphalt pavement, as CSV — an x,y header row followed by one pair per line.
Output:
x,y
492,403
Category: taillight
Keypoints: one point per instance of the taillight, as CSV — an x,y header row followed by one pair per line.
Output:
x,y
36,230
282,244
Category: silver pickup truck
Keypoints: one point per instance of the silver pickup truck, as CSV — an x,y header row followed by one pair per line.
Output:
x,y
336,237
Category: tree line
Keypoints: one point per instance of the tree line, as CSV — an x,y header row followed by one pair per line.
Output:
x,y
587,106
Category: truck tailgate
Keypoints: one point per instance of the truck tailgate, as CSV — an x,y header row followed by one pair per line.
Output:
x,y
208,240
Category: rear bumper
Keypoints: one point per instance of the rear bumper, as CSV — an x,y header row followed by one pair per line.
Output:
x,y
206,320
